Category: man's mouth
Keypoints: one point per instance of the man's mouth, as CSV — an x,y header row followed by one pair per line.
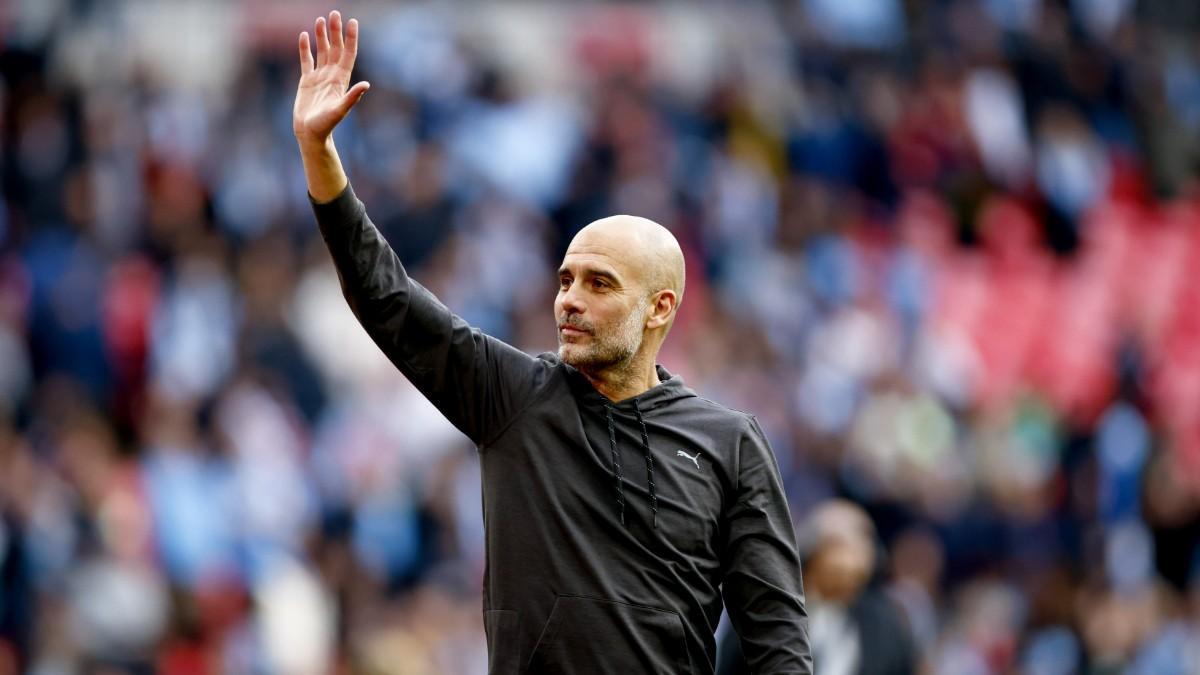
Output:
x,y
570,329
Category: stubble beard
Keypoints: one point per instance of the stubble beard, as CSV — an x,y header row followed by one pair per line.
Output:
x,y
606,350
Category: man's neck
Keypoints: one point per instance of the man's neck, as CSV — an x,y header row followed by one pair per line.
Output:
x,y
620,383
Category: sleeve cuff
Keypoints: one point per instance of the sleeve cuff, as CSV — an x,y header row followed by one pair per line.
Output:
x,y
335,214
342,205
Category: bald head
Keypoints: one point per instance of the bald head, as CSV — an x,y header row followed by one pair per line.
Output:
x,y
650,253
619,286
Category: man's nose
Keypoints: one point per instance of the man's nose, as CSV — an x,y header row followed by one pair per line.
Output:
x,y
571,302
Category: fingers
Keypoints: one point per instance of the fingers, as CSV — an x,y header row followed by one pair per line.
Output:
x,y
306,57
332,45
335,35
356,92
322,36
351,50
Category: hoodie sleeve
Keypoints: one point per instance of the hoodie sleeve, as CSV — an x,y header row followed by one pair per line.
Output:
x,y
478,382
762,587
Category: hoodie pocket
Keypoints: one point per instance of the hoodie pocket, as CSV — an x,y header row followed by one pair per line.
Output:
x,y
501,626
590,635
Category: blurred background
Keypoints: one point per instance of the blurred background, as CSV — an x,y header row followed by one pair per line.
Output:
x,y
947,251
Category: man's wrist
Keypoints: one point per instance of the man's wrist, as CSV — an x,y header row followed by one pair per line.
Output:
x,y
315,145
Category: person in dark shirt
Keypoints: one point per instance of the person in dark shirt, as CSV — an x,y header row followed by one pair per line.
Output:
x,y
621,510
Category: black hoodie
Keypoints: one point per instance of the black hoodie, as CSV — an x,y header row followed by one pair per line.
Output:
x,y
613,530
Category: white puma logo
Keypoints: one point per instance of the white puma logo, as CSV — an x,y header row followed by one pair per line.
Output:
x,y
695,460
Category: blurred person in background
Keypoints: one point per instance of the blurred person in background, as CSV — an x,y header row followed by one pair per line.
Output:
x,y
589,570
853,626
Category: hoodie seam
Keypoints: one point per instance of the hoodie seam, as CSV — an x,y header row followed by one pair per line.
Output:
x,y
747,433
533,400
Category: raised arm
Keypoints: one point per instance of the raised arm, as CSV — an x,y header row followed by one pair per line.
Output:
x,y
762,588
323,100
478,382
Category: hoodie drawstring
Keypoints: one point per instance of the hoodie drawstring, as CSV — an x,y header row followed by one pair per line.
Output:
x,y
616,460
649,463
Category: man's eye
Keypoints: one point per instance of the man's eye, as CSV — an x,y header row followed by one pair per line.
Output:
x,y
599,283
564,282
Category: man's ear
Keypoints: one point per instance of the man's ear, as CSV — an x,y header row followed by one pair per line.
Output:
x,y
662,308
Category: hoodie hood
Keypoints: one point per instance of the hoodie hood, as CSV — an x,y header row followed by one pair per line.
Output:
x,y
670,389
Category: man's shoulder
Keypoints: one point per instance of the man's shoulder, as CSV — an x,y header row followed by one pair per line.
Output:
x,y
722,409
720,414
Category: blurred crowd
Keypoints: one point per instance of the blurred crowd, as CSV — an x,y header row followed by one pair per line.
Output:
x,y
943,249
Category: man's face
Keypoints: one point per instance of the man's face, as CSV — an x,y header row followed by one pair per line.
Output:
x,y
600,312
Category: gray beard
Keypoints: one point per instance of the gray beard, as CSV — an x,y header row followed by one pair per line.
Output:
x,y
605,351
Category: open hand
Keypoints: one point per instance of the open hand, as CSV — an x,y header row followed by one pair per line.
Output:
x,y
322,98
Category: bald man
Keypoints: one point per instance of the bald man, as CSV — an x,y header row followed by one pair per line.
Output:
x,y
621,511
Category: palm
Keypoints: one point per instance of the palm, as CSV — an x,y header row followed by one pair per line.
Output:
x,y
322,98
